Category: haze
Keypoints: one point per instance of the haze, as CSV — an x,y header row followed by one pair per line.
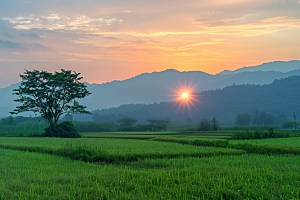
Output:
x,y
119,39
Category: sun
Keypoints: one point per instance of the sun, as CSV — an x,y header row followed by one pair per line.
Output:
x,y
185,95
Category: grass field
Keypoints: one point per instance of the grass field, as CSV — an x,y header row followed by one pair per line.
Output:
x,y
158,167
116,149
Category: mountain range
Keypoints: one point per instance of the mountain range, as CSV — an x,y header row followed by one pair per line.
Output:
x,y
166,85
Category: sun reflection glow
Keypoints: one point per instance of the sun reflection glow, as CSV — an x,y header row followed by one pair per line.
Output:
x,y
186,96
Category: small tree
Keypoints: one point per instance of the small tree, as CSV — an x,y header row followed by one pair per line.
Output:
x,y
289,124
295,117
262,118
242,119
214,124
204,125
159,125
51,95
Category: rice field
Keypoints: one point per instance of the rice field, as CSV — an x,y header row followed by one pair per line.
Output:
x,y
28,175
147,169
115,149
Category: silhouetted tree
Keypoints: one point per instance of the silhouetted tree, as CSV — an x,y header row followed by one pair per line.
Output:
x,y
51,95
214,124
262,118
242,119
204,125
159,125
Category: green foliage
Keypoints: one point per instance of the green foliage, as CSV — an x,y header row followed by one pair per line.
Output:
x,y
23,129
263,127
196,142
204,125
7,121
95,126
127,122
65,129
139,128
262,118
242,119
214,124
290,124
158,125
245,135
51,95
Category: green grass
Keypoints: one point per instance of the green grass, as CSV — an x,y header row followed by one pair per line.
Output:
x,y
285,145
150,135
114,149
290,141
26,175
169,166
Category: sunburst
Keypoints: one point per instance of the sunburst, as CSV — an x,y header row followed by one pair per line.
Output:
x,y
185,96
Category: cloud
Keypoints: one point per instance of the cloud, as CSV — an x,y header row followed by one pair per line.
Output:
x,y
212,42
29,35
18,46
7,35
60,22
111,38
260,27
201,20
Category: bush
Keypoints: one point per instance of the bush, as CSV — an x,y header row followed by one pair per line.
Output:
x,y
64,130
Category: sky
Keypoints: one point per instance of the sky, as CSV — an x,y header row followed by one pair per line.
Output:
x,y
119,39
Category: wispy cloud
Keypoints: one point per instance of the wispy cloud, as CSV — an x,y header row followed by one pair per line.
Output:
x,y
60,22
18,46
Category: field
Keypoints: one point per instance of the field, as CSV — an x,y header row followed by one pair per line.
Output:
x,y
149,166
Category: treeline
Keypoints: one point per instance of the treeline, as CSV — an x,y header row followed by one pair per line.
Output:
x,y
33,127
279,100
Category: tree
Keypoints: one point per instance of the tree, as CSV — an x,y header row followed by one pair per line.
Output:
x,y
127,122
214,124
262,118
204,125
242,119
51,95
7,121
290,124
295,117
159,125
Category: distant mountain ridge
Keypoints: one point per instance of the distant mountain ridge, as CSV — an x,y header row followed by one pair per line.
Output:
x,y
162,86
280,66
280,99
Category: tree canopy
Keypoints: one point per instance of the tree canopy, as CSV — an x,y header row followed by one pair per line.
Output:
x,y
50,94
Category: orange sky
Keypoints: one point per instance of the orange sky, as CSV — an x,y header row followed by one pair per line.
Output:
x,y
119,39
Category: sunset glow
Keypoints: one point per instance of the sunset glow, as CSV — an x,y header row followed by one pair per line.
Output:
x,y
117,40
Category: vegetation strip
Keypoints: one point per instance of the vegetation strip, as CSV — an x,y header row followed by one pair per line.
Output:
x,y
249,147
132,150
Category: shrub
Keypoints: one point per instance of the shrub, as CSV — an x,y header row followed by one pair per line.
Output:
x,y
65,129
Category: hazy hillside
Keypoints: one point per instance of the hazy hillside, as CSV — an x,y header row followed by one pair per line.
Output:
x,y
282,96
162,86
280,66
